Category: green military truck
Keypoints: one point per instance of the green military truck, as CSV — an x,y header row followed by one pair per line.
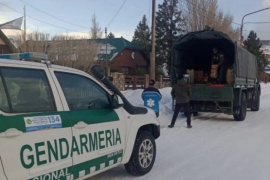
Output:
x,y
192,56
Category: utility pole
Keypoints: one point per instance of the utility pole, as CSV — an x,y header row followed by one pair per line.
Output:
x,y
106,42
153,40
106,58
24,33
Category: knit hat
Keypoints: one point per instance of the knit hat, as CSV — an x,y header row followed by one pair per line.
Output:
x,y
151,82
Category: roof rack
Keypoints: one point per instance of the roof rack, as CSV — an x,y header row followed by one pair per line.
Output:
x,y
26,56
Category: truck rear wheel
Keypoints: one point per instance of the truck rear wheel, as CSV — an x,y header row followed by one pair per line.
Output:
x,y
256,102
240,112
143,155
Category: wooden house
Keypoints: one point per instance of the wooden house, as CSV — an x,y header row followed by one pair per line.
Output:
x,y
123,56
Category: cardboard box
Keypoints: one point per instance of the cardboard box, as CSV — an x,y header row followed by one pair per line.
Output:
x,y
213,73
190,72
198,77
229,76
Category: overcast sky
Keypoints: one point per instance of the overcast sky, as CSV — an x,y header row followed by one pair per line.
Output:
x,y
120,16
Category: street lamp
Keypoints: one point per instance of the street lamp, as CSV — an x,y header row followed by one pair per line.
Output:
x,y
241,30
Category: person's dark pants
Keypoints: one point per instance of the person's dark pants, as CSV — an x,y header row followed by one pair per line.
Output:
x,y
178,107
222,70
157,114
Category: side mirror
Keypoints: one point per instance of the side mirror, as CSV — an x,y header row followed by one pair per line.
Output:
x,y
117,101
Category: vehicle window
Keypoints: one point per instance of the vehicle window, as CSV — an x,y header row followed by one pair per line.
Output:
x,y
82,93
3,97
28,90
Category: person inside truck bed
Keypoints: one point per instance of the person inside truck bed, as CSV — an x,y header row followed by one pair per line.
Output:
x,y
218,59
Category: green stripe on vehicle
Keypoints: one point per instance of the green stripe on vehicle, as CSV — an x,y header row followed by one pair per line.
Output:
x,y
93,116
83,169
88,116
17,121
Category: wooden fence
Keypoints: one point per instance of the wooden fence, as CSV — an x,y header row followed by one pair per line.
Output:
x,y
125,82
135,82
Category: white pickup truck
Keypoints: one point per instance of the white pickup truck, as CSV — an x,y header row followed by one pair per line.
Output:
x,y
61,123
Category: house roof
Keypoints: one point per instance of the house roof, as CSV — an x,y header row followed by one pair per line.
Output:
x,y
114,46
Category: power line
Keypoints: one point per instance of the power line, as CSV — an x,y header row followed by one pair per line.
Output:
x,y
41,20
54,25
54,16
116,13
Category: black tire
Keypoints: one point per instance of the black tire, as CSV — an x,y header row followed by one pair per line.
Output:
x,y
256,102
240,112
143,155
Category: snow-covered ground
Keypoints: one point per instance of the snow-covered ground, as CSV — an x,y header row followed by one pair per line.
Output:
x,y
215,148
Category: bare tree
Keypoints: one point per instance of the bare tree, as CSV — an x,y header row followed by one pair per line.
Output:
x,y
77,53
96,31
36,42
71,51
202,13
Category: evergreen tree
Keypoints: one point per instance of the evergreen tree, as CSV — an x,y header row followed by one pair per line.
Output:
x,y
142,36
169,26
111,35
253,45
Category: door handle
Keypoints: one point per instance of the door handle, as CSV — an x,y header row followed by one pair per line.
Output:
x,y
80,125
12,132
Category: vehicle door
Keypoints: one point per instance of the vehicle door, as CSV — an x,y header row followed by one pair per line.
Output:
x,y
98,129
34,134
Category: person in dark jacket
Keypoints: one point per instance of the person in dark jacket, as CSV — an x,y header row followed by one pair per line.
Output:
x,y
219,60
151,97
181,93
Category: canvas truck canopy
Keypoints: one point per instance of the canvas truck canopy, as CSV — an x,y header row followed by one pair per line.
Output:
x,y
194,51
246,65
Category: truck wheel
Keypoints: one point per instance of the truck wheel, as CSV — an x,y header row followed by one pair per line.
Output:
x,y
241,111
143,155
256,103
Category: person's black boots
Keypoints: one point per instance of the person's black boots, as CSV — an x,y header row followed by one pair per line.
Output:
x,y
170,126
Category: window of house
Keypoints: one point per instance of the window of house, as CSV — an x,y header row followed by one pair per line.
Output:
x,y
82,93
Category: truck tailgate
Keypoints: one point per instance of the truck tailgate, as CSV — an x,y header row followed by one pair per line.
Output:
x,y
211,92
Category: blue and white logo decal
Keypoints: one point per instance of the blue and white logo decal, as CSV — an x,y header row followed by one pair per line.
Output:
x,y
42,122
